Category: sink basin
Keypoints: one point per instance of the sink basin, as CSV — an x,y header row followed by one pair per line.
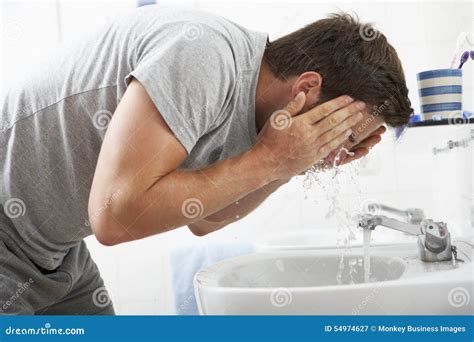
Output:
x,y
319,282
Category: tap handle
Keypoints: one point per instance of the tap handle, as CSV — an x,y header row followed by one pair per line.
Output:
x,y
436,235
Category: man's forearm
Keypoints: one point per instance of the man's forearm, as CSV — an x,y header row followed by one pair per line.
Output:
x,y
155,197
183,197
236,210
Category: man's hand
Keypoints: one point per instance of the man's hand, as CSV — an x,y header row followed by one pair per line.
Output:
x,y
362,149
291,143
358,150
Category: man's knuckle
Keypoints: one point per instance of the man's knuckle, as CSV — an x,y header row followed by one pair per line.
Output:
x,y
324,110
333,120
314,117
338,102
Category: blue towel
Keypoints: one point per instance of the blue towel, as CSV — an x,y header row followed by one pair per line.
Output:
x,y
186,261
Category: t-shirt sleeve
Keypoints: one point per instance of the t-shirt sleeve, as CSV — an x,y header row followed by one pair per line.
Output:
x,y
189,73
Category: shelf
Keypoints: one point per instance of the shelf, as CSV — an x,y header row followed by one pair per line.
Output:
x,y
443,122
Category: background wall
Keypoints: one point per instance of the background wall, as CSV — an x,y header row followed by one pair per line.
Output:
x,y
403,174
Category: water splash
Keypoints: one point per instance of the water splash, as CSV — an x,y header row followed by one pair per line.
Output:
x,y
322,179
345,150
353,269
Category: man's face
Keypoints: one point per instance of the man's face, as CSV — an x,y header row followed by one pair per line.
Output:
x,y
371,121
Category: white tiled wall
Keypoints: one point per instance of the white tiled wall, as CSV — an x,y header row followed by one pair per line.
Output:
x,y
406,174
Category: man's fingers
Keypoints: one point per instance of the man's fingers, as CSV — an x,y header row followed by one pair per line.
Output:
x,y
323,110
296,105
363,148
328,130
354,145
381,130
331,126
358,153
368,142
333,144
342,114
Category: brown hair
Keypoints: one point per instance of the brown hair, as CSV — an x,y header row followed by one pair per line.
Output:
x,y
352,58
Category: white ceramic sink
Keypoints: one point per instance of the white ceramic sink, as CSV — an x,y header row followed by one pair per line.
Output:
x,y
308,282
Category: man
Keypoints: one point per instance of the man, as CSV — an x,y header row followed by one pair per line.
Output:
x,y
208,120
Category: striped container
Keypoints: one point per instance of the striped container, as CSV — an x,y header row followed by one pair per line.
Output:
x,y
440,93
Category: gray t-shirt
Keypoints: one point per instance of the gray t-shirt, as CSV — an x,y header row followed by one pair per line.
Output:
x,y
199,69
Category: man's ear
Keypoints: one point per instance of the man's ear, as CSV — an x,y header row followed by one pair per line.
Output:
x,y
310,82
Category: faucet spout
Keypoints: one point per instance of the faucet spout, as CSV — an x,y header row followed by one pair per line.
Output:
x,y
410,215
371,221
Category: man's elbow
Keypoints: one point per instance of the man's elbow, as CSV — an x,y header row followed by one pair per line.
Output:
x,y
117,222
105,226
204,227
105,232
197,229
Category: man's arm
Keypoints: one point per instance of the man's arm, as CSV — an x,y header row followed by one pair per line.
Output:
x,y
235,211
246,205
137,190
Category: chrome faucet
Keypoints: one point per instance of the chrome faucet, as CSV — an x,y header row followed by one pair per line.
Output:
x,y
434,240
411,215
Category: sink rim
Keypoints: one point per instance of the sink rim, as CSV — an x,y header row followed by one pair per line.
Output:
x,y
212,271
206,272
